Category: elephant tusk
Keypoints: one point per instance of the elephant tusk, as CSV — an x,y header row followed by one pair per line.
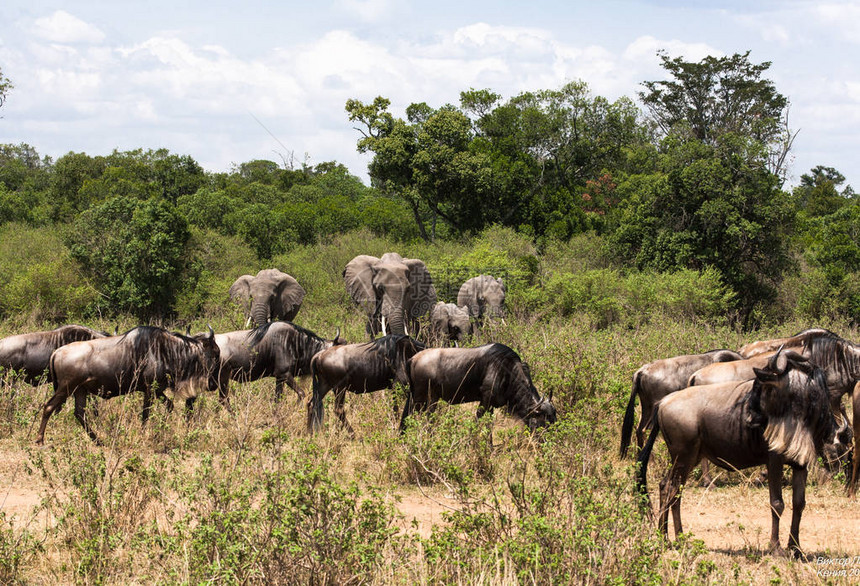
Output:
x,y
383,326
247,322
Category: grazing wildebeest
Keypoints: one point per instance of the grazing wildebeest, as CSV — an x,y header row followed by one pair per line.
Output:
x,y
28,354
492,374
142,358
280,349
783,416
358,368
657,379
840,361
799,339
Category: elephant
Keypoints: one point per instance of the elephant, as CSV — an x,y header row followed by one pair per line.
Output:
x,y
392,291
268,296
450,323
484,296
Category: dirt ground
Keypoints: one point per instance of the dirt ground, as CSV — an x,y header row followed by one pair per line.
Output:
x,y
734,522
733,519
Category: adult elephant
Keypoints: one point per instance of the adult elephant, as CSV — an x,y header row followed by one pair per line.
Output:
x,y
484,295
392,291
270,295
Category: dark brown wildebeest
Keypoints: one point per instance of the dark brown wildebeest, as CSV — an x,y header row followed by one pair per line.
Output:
x,y
493,374
142,358
28,354
840,361
657,379
358,368
799,339
280,349
783,416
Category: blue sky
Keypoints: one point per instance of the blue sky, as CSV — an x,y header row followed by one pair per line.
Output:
x,y
228,83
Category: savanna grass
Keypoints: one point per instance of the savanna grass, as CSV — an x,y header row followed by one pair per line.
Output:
x,y
248,496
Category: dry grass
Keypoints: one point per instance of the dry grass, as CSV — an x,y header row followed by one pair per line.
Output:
x,y
217,498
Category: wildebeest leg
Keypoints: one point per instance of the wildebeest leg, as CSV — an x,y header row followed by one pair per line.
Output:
x,y
855,408
147,406
670,494
483,410
81,414
706,479
340,411
279,388
777,506
189,407
644,423
798,503
54,404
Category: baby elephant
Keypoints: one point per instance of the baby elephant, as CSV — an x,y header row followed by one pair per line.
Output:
x,y
450,324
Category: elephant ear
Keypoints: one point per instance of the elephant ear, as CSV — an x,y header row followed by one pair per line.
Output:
x,y
421,284
288,296
240,290
358,278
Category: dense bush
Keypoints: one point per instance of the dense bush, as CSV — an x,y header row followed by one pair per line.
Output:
x,y
134,251
39,280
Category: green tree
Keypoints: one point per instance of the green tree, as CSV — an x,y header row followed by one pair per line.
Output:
x,y
720,95
5,87
134,253
818,193
706,207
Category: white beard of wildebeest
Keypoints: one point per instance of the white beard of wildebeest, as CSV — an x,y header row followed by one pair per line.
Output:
x,y
737,425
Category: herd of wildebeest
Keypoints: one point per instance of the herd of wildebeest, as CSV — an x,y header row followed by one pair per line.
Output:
x,y
772,403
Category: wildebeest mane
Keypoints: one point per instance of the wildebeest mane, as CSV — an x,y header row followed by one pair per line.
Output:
x,y
173,348
795,423
837,356
521,397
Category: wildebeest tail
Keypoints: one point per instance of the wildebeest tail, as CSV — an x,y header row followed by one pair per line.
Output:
x,y
627,425
645,455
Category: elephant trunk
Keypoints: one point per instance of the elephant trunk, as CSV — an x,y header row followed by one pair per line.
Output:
x,y
260,314
392,310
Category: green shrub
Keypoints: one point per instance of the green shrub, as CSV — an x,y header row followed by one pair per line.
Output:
x,y
39,280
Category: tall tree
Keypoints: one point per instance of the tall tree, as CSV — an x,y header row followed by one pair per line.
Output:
x,y
720,95
5,87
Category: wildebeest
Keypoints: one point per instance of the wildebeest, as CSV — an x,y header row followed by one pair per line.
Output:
x,y
28,354
799,339
783,416
839,359
142,359
280,349
493,374
358,368
657,379
736,370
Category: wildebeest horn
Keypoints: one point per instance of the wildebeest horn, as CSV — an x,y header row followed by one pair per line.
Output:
x,y
337,333
211,331
188,331
549,398
777,363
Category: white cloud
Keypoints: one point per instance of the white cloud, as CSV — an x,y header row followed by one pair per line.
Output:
x,y
62,27
644,50
841,18
366,10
